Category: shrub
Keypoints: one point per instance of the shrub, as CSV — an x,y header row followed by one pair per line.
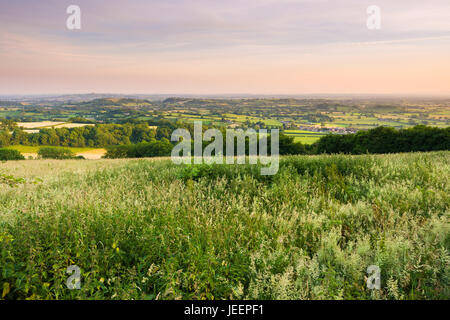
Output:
x,y
55,153
10,154
287,146
386,140
115,152
10,180
154,148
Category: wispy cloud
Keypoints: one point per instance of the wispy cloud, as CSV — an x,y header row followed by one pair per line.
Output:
x,y
202,39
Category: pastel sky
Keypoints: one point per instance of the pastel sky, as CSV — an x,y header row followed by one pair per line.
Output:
x,y
225,46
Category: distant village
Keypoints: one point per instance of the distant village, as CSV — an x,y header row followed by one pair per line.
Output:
x,y
326,129
288,125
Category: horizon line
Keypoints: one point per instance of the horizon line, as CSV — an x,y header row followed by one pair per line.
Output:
x,y
49,94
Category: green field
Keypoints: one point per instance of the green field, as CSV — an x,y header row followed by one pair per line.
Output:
x,y
290,113
303,136
306,139
149,229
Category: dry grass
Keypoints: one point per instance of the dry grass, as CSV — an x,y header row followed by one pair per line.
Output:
x,y
49,124
34,125
50,169
73,125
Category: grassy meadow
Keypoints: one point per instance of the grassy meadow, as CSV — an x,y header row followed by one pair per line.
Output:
x,y
149,229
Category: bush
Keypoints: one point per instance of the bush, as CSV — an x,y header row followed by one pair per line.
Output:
x,y
386,140
163,148
155,148
10,154
287,146
10,180
55,153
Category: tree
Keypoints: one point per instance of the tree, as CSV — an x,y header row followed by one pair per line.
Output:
x,y
55,153
287,146
10,154
5,138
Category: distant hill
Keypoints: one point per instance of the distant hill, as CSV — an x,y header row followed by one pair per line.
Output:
x,y
115,102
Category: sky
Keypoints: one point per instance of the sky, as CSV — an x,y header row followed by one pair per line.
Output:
x,y
225,47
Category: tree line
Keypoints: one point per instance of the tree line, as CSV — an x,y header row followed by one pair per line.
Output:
x,y
378,140
136,139
164,147
128,131
99,135
386,140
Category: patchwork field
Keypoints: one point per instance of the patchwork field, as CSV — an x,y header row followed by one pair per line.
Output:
x,y
356,113
149,229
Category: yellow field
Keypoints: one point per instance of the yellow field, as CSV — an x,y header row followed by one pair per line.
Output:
x,y
34,125
73,125
92,154
50,124
88,153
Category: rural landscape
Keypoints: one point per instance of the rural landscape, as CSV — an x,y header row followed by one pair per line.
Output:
x,y
224,159
306,120
309,232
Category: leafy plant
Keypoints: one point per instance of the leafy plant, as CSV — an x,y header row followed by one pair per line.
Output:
x,y
10,180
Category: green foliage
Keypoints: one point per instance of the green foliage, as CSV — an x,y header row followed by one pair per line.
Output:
x,y
287,146
163,148
10,180
99,135
9,154
5,138
80,120
387,140
145,136
55,153
147,229
7,124
154,148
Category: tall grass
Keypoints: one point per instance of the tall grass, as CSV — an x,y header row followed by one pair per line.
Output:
x,y
145,229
